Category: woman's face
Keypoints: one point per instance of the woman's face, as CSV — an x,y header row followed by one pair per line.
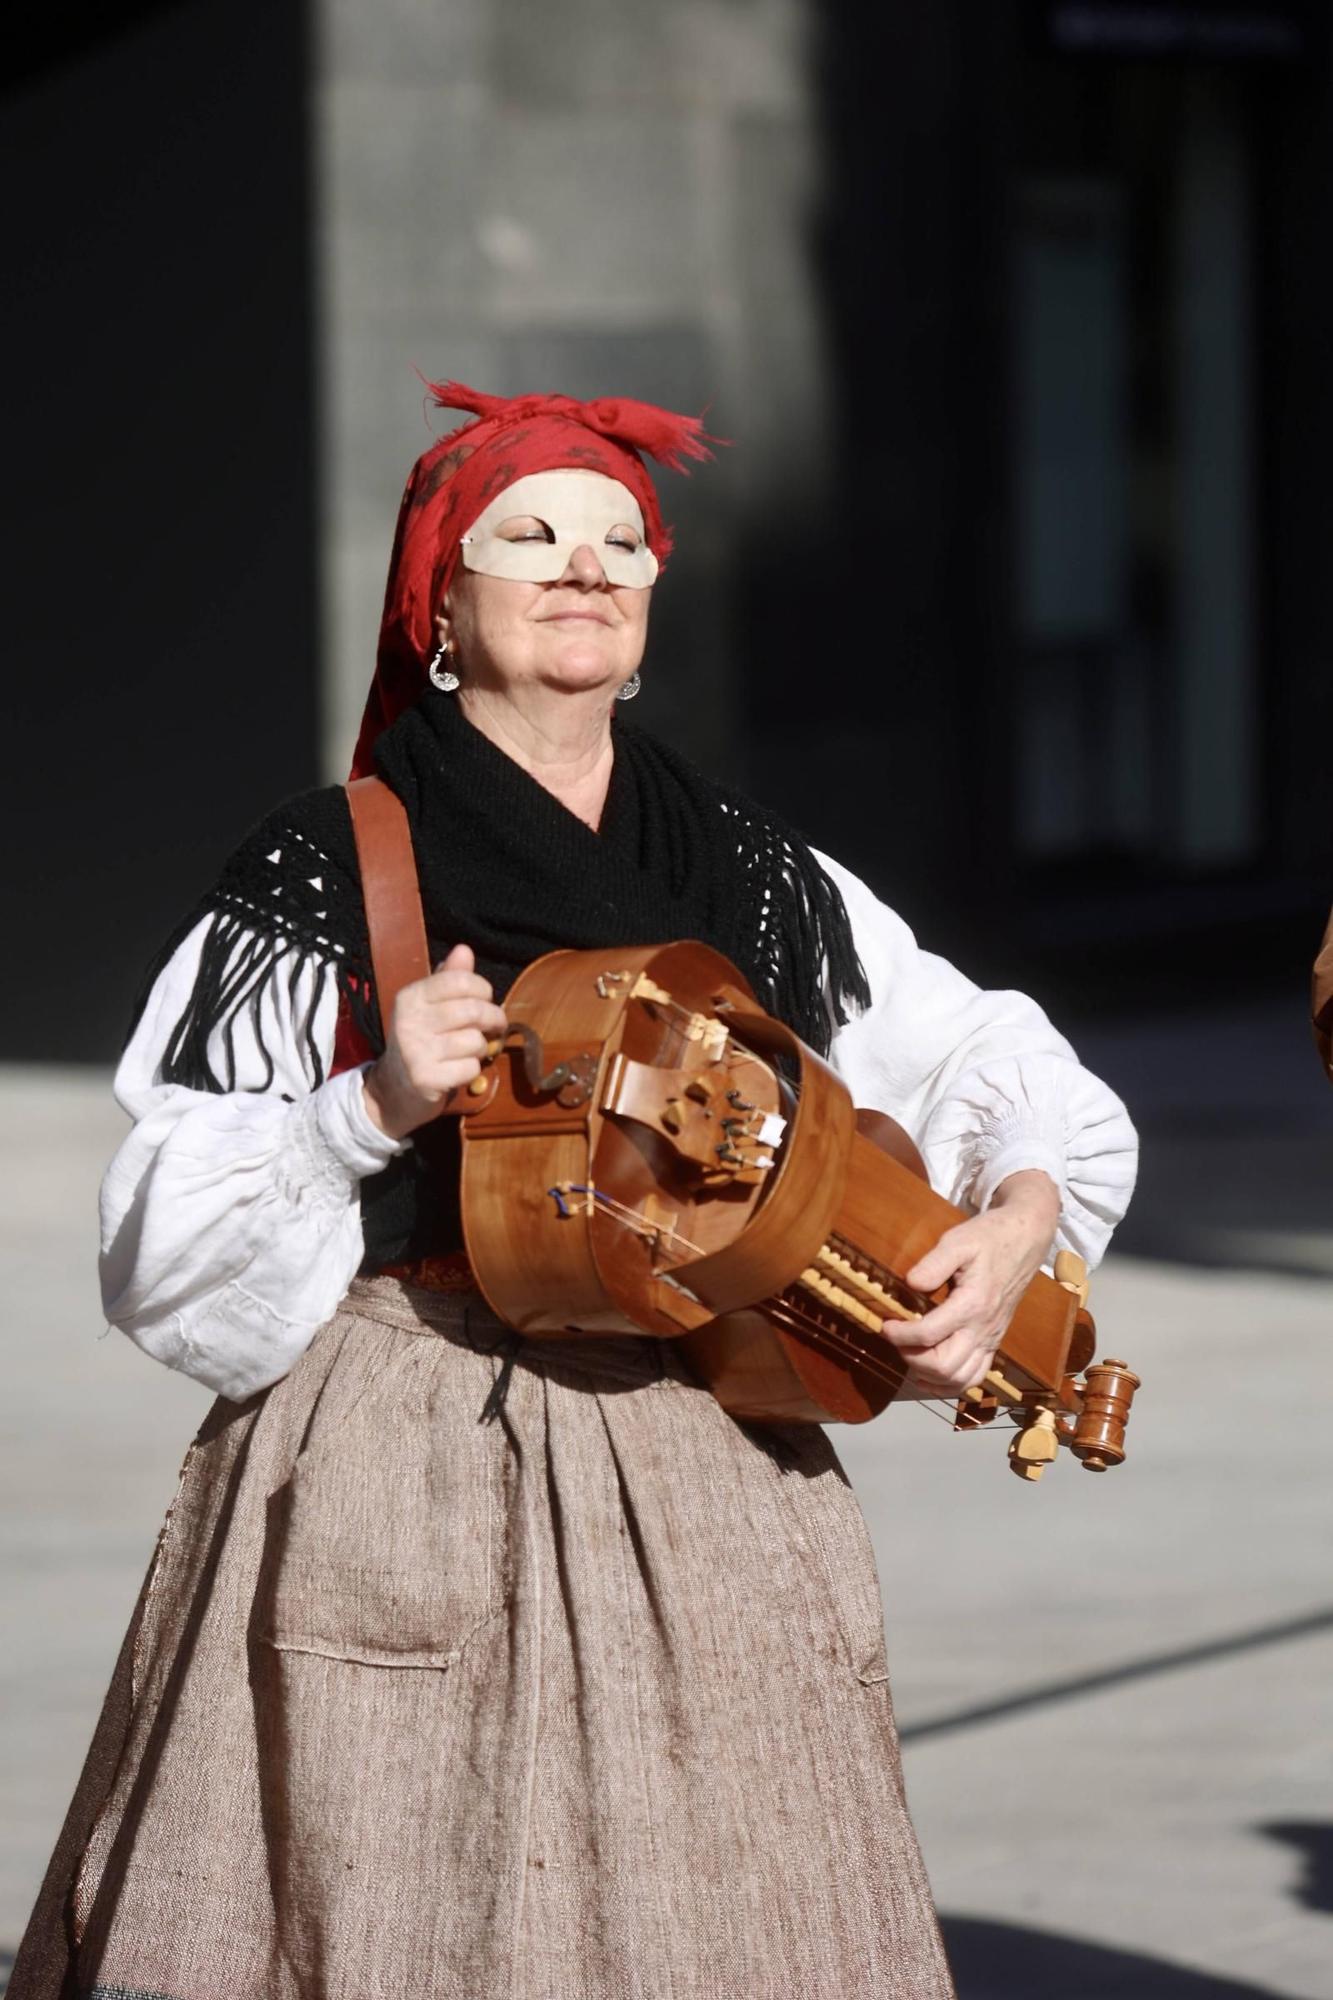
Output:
x,y
575,630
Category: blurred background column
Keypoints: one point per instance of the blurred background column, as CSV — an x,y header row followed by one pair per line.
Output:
x,y
1214,309
577,197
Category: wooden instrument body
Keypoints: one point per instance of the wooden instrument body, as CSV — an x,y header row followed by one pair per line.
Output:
x,y
537,1272
582,1213
643,1165
830,1367
617,1274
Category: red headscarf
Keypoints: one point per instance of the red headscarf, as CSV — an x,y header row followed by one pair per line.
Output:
x,y
452,482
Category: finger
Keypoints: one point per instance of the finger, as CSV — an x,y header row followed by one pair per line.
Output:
x,y
955,1365
418,1018
468,1011
459,1070
425,1059
913,1336
457,1045
460,958
435,1078
962,1359
424,1009
932,1389
452,982
949,1256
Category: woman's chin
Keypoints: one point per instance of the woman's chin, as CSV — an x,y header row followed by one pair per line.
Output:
x,y
580,671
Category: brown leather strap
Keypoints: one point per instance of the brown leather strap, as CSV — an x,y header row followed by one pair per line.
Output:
x,y
389,889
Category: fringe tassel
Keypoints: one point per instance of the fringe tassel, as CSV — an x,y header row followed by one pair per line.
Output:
x,y
493,1408
236,964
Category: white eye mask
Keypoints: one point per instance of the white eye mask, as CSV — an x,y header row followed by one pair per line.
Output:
x,y
580,509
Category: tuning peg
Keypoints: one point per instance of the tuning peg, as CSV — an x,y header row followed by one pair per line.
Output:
x,y
1035,1446
1072,1273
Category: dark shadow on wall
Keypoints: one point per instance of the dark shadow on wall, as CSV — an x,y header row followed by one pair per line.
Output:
x,y
159,624
994,1961
1313,1841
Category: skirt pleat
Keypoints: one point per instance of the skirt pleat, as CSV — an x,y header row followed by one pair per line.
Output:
x,y
583,1698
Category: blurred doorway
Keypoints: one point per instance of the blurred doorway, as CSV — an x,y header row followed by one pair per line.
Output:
x,y
1133,466
1091,413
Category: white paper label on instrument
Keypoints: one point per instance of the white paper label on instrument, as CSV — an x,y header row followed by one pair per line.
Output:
x,y
771,1128
554,513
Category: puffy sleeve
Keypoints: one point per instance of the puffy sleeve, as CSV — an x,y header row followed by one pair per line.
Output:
x,y
231,1221
981,1080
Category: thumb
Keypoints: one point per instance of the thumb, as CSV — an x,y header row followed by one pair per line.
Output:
x,y
461,959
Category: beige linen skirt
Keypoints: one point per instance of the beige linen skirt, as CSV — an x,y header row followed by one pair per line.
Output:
x,y
587,1701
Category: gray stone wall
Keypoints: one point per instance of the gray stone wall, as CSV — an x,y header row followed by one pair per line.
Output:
x,y
562,194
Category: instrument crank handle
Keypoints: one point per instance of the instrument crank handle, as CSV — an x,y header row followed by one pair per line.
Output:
x,y
571,1080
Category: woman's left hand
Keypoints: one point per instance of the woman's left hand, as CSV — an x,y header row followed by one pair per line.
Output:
x,y
991,1259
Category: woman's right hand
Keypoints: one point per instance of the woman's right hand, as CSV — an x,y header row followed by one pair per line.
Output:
x,y
440,1030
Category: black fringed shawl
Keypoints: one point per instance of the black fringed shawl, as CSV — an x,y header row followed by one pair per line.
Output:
x,y
506,868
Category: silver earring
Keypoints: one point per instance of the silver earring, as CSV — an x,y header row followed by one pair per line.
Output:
x,y
630,688
447,681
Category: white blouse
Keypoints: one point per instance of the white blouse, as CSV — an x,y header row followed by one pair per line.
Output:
x,y
231,1224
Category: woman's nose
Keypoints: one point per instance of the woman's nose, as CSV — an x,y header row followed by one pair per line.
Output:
x,y
584,568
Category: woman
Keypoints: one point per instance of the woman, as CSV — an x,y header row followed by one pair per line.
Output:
x,y
588,1699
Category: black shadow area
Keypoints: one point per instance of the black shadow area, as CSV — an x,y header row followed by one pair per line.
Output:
x,y
159,578
994,1961
1313,1841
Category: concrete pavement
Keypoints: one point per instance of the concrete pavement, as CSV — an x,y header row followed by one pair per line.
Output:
x,y
1114,1692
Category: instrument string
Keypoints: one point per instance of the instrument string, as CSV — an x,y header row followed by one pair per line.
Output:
x,y
942,1408
829,1337
832,1339
640,1224
869,1266
733,1051
843,1345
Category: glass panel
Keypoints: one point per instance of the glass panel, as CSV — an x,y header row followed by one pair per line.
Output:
x,y
1071,423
